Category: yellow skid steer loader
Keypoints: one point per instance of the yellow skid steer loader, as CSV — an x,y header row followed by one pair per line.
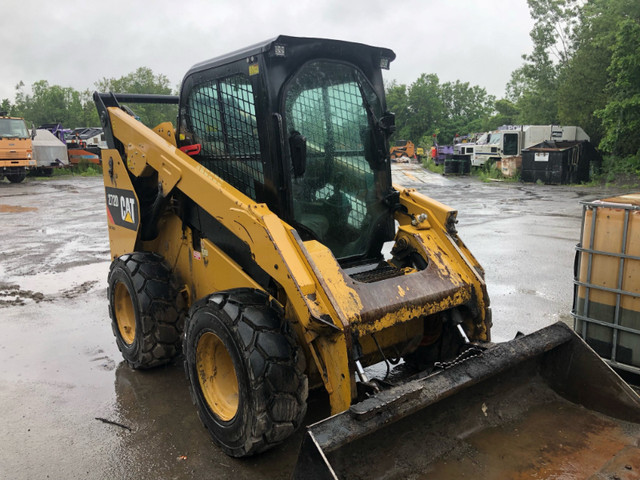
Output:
x,y
263,238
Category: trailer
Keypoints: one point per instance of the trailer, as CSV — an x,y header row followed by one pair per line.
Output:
x,y
49,152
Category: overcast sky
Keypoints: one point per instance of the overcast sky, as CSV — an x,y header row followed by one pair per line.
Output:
x,y
75,43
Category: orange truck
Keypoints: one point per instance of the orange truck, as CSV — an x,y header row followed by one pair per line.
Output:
x,y
16,149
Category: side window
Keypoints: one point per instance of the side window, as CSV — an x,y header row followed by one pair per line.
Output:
x,y
221,117
510,144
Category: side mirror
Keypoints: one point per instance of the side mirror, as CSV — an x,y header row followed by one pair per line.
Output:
x,y
387,123
298,148
33,131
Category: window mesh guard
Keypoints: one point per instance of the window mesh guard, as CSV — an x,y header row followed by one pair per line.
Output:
x,y
223,121
335,150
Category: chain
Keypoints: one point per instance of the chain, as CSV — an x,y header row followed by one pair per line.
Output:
x,y
471,352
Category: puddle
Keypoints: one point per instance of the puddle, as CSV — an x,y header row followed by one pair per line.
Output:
x,y
16,209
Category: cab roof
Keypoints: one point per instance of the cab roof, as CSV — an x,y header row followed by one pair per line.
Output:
x,y
319,44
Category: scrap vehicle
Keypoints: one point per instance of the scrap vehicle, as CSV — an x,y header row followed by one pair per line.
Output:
x,y
16,149
439,153
510,140
91,139
83,144
263,238
79,150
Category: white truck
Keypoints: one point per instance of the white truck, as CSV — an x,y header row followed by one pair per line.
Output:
x,y
510,140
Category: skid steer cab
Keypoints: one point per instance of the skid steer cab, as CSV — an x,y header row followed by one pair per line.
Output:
x,y
263,239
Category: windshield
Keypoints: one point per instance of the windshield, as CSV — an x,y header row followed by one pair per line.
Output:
x,y
338,198
496,138
13,128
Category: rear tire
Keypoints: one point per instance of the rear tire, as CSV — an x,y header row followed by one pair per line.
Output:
x,y
17,177
245,371
147,316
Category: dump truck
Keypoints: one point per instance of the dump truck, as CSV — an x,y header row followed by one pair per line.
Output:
x,y
16,150
263,239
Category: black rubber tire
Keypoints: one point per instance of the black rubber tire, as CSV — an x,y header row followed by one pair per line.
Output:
x,y
269,366
16,177
155,303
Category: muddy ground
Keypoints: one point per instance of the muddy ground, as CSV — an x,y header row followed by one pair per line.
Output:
x,y
61,371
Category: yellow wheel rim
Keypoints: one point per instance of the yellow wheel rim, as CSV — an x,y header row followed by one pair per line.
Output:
x,y
217,376
125,314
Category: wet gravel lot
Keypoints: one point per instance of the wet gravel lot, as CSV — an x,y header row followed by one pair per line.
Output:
x,y
62,371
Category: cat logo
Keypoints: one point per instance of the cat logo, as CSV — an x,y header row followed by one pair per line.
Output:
x,y
127,209
122,208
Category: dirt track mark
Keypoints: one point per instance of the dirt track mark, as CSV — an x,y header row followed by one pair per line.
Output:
x,y
12,295
77,290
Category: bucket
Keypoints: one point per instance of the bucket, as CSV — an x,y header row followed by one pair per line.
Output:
x,y
543,405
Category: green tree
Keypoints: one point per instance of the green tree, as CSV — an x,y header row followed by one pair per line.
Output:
x,y
89,114
582,89
583,83
6,106
424,106
143,80
507,113
428,107
49,104
465,108
533,86
621,115
397,100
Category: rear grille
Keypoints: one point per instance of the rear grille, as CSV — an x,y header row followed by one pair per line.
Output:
x,y
381,272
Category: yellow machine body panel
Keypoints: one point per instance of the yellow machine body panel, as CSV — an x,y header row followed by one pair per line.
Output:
x,y
312,280
123,208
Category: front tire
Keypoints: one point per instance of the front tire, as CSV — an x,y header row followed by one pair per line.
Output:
x,y
245,371
146,311
17,177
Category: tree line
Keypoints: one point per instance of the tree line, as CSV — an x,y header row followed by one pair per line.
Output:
x,y
584,69
72,108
